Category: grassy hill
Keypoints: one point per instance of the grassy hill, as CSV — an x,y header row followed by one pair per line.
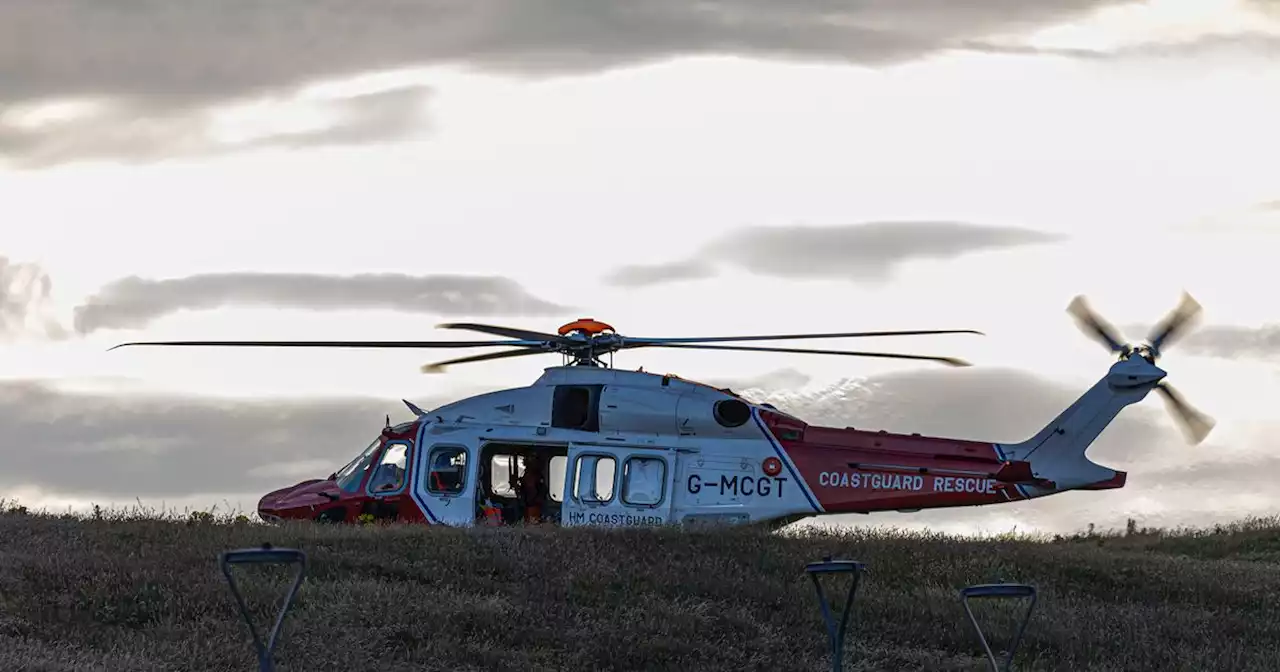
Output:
x,y
126,592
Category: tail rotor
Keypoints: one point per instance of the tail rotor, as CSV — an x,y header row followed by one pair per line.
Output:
x,y
1195,425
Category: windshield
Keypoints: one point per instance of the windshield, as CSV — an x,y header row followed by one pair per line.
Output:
x,y
349,477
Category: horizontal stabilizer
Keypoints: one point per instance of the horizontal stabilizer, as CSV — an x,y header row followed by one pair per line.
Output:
x,y
1017,471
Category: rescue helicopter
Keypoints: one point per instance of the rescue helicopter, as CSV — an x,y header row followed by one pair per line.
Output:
x,y
589,444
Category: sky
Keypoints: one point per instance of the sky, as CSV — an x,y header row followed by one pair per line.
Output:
x,y
307,170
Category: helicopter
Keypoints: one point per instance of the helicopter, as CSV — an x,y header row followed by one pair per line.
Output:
x,y
589,444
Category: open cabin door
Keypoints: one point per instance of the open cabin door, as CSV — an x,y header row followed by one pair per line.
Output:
x,y
613,486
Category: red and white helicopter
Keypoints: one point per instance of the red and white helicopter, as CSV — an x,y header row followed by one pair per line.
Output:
x,y
587,444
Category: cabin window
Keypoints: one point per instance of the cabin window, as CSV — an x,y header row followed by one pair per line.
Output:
x,y
447,474
555,477
644,481
388,477
593,478
500,474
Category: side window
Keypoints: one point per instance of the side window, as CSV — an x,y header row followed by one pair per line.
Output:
x,y
593,478
555,477
447,470
644,481
389,474
501,471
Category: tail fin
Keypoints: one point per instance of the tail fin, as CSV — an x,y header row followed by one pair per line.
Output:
x,y
1057,452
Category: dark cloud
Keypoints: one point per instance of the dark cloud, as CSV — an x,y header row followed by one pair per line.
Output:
x,y
118,447
25,290
133,133
168,60
981,404
125,446
1254,44
640,275
1227,341
133,302
1216,340
1169,482
866,252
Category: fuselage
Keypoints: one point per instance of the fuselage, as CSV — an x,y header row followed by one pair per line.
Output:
x,y
633,448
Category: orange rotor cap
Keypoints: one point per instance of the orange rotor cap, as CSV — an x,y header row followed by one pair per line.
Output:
x,y
586,325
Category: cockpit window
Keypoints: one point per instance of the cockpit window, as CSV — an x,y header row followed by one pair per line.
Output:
x,y
389,476
349,477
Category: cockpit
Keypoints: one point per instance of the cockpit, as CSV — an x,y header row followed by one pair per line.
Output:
x,y
349,477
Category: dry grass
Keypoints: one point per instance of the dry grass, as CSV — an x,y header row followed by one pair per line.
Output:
x,y
132,592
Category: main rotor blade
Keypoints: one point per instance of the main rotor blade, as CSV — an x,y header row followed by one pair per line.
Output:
x,y
749,348
784,337
509,332
438,367
1194,424
1175,323
1093,325
338,344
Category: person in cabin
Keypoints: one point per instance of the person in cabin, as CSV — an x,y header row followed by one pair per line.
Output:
x,y
532,490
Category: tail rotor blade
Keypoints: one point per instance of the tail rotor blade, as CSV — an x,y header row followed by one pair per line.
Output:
x,y
1093,325
1175,323
1194,424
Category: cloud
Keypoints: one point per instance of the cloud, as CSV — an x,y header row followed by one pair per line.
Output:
x,y
133,302
640,275
1229,341
25,291
131,132
865,252
168,63
104,448
1215,340
1169,482
89,446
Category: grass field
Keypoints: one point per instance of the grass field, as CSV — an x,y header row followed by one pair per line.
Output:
x,y
127,592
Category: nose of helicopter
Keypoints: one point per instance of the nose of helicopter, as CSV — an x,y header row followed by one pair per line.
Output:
x,y
269,505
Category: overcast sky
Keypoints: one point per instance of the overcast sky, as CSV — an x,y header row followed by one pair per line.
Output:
x,y
305,170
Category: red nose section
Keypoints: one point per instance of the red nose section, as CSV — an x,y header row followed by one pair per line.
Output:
x,y
1112,483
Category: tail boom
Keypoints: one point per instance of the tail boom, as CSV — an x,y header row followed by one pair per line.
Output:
x,y
857,471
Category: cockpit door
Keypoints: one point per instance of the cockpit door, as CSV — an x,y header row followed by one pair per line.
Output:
x,y
387,489
614,486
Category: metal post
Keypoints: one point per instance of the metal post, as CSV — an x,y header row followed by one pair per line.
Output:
x,y
264,555
836,634
999,590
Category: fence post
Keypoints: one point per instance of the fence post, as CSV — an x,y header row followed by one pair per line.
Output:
x,y
264,555
835,633
999,590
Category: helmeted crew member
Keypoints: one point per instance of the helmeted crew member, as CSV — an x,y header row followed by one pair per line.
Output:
x,y
532,487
